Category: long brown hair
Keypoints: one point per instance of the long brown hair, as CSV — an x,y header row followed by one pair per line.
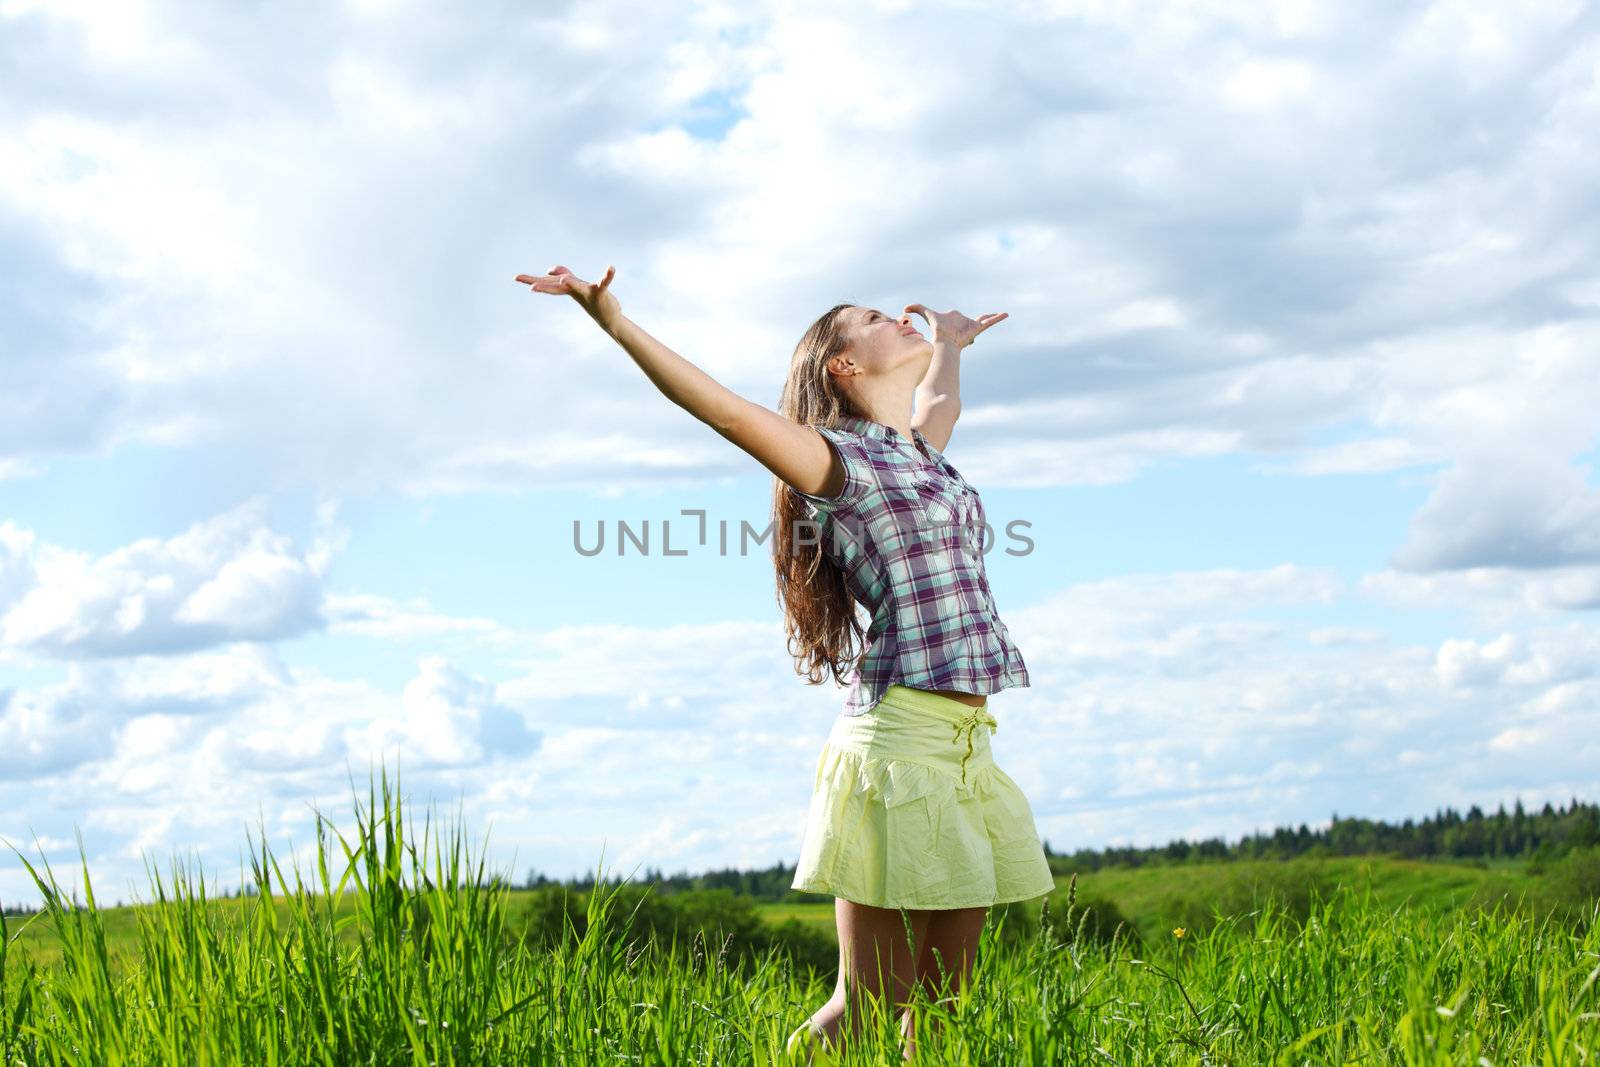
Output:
x,y
819,614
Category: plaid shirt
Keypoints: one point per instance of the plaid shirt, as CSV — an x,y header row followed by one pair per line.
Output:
x,y
907,531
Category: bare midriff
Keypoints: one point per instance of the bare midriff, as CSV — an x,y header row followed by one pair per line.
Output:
x,y
970,699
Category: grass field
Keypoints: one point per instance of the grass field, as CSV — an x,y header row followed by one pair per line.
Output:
x,y
405,955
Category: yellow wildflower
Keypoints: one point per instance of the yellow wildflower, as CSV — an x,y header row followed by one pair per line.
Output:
x,y
1177,932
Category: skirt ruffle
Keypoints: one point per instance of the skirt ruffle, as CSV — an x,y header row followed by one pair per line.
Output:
x,y
902,833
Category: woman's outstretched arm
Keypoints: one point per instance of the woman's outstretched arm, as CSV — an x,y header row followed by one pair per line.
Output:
x,y
797,454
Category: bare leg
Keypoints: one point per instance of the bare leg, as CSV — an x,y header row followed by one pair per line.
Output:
x,y
875,960
943,965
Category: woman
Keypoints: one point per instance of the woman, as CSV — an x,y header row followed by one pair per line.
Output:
x,y
912,828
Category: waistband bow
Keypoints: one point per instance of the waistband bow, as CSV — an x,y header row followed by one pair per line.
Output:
x,y
978,717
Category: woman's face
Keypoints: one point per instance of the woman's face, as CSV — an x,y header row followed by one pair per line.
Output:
x,y
879,344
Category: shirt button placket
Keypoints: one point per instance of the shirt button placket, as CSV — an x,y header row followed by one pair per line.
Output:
x,y
975,560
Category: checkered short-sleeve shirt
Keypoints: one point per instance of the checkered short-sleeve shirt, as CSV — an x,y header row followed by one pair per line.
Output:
x,y
908,532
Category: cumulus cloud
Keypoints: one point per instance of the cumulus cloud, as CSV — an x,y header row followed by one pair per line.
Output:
x,y
1210,697
225,579
1490,597
1542,659
45,732
448,717
371,615
1182,702
1521,507
1339,256
118,710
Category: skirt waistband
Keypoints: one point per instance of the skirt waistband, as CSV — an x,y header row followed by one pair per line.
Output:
x,y
947,708
913,724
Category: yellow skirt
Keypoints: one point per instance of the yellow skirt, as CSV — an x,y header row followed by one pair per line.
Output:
x,y
909,810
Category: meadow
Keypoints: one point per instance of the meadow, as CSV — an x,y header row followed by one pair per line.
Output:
x,y
397,949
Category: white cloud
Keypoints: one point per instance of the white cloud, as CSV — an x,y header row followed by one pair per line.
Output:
x,y
1151,694
1267,84
1542,658
42,733
225,579
370,615
1282,247
1371,455
1492,597
451,718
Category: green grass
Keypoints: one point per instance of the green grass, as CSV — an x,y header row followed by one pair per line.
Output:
x,y
1154,899
408,956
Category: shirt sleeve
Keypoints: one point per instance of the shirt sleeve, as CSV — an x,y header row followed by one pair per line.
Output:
x,y
857,471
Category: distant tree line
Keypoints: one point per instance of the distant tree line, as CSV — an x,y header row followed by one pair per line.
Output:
x,y
1541,837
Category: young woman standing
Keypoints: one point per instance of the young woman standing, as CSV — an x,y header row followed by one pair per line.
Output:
x,y
913,828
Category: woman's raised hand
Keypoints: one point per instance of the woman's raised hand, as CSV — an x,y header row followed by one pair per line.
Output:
x,y
594,297
954,327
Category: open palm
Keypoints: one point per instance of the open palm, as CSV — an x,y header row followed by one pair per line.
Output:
x,y
953,326
594,297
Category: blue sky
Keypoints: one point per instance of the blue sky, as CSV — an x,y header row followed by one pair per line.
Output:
x,y
1297,393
